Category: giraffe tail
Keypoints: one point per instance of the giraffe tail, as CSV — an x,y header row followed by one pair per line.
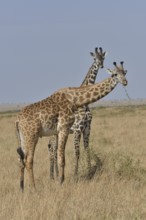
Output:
x,y
17,132
19,149
21,156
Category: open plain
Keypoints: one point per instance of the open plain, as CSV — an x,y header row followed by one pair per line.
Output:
x,y
116,189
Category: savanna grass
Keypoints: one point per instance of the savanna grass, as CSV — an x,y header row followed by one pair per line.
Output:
x,y
116,188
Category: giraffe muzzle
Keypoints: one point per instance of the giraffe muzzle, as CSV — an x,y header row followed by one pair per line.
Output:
x,y
125,83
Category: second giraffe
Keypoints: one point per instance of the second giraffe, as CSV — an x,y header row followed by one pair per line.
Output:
x,y
82,123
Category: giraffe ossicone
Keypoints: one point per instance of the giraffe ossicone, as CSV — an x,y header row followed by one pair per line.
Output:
x,y
83,118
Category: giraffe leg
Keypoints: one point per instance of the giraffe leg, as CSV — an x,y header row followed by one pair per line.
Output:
x,y
30,148
55,147
52,148
21,167
86,135
29,168
51,158
77,138
62,139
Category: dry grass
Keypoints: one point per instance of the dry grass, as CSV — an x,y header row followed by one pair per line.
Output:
x,y
117,190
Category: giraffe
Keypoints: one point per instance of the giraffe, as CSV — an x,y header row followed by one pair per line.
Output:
x,y
83,118
55,115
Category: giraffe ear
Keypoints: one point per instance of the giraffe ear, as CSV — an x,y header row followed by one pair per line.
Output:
x,y
92,54
109,71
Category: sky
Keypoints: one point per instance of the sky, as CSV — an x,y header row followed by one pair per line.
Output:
x,y
45,45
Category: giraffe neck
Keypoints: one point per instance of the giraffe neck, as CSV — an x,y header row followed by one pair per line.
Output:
x,y
91,75
91,93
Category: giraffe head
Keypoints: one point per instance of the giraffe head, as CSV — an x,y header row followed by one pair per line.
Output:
x,y
118,73
99,56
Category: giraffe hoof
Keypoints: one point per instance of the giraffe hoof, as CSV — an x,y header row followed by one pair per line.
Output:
x,y
22,185
61,180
